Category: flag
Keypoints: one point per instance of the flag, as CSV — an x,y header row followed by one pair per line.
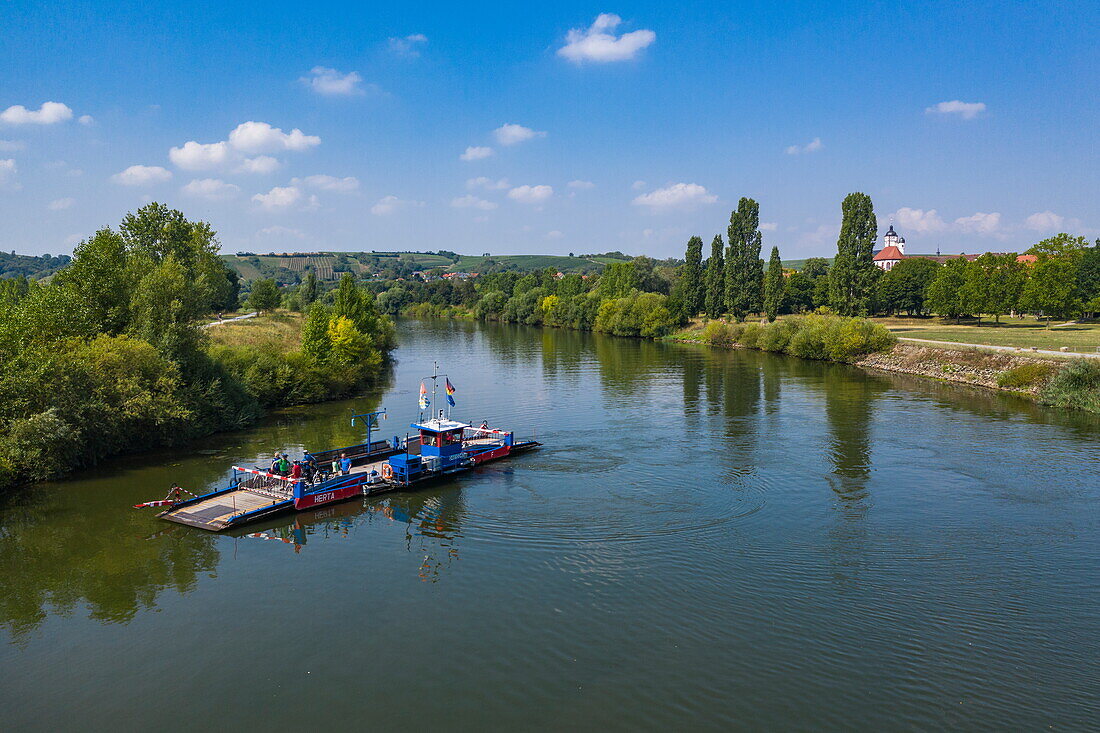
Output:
x,y
424,402
450,400
450,387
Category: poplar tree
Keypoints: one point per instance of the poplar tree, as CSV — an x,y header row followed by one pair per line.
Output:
x,y
692,277
744,271
773,286
853,274
714,297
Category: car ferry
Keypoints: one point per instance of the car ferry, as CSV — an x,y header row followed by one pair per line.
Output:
x,y
441,448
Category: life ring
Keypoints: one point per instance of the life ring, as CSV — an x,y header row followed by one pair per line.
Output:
x,y
387,471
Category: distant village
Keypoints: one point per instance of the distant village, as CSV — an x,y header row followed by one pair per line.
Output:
x,y
893,252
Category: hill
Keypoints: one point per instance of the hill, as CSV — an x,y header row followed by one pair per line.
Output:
x,y
289,267
35,268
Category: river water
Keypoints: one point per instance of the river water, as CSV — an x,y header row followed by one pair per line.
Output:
x,y
710,539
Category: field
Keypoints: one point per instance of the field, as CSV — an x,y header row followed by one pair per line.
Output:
x,y
1019,332
284,329
535,262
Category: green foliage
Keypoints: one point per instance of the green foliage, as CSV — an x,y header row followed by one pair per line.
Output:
x,y
1088,276
1076,386
618,280
828,338
945,291
714,280
903,288
108,356
853,275
692,277
744,276
1025,376
773,286
638,314
264,295
1052,288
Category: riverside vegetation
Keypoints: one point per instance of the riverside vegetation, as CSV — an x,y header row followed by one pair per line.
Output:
x,y
109,355
827,304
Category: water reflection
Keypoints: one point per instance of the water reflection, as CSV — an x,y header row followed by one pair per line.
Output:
x,y
431,521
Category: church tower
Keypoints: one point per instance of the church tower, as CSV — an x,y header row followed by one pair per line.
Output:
x,y
891,238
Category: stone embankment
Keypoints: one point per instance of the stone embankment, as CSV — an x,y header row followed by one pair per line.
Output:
x,y
968,366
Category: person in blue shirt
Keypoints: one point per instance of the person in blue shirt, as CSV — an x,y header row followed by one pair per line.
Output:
x,y
345,464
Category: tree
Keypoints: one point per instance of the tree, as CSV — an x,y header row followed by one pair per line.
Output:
x,y
944,292
691,275
744,270
773,285
714,298
1052,288
853,274
308,290
1005,282
798,294
903,287
617,280
264,295
1088,278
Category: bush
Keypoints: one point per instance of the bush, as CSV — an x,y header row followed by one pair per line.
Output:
x,y
718,333
1077,385
1025,376
750,336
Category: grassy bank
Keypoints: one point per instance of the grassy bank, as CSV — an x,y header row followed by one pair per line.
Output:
x,y
1024,333
1057,382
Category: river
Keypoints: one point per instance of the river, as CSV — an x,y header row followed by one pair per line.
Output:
x,y
709,539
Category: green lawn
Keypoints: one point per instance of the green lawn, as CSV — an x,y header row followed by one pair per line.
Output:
x,y
1019,332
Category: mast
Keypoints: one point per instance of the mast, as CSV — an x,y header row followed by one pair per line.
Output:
x,y
435,378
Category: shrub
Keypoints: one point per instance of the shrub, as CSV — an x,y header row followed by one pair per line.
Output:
x,y
718,333
1077,385
750,335
1025,376
776,336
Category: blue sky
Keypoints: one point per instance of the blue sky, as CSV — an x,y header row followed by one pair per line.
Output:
x,y
585,128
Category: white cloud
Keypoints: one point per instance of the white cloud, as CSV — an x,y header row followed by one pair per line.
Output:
x,y
261,164
195,156
531,194
86,120
8,169
676,196
638,185
965,110
487,183
599,43
919,220
260,137
408,46
475,152
280,197
281,231
211,189
10,146
142,175
510,134
581,185
248,138
328,183
768,226
555,234
979,223
59,204
811,147
49,113
1044,221
390,204
331,82
469,201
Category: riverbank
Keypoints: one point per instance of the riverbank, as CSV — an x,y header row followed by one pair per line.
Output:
x,y
1054,380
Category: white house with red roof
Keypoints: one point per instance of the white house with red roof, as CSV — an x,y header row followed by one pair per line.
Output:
x,y
893,250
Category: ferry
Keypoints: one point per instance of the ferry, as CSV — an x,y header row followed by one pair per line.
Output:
x,y
440,449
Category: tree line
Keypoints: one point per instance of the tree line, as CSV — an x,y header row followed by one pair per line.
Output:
x,y
109,356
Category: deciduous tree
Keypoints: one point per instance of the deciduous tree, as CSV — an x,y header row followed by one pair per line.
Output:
x,y
773,285
853,274
715,279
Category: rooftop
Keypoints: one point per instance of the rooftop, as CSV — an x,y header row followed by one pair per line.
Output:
x,y
436,425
